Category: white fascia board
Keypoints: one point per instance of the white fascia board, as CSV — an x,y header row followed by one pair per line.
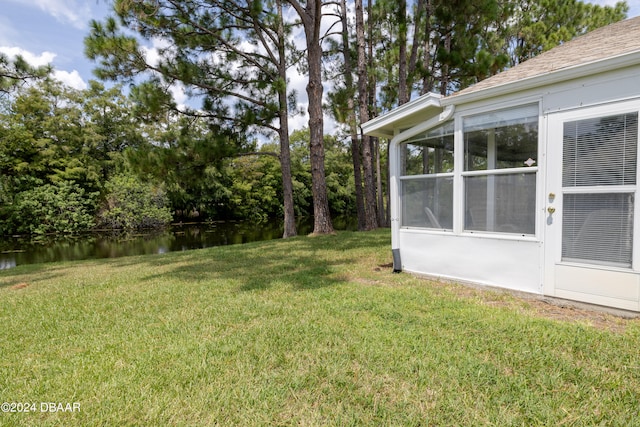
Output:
x,y
425,126
553,77
383,126
394,167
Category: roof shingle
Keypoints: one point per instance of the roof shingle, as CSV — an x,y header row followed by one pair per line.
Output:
x,y
617,39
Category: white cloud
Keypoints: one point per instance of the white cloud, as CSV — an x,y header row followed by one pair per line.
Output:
x,y
179,96
603,2
152,53
72,79
634,5
44,58
298,82
74,12
299,121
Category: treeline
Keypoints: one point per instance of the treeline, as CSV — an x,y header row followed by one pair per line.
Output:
x,y
234,59
74,160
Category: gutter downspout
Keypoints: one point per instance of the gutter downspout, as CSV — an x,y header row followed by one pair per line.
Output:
x,y
394,172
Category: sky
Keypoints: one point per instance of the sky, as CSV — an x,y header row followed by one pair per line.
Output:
x,y
53,31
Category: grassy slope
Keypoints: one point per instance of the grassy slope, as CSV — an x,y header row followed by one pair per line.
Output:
x,y
307,331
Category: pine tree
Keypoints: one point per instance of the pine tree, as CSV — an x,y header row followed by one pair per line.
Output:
x,y
231,54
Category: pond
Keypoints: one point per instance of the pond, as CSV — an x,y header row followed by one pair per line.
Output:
x,y
16,251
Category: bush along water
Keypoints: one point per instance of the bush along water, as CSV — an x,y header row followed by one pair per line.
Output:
x,y
62,207
132,205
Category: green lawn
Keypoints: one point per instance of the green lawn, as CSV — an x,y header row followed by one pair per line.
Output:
x,y
305,331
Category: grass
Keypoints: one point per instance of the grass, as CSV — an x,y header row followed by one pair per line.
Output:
x,y
304,331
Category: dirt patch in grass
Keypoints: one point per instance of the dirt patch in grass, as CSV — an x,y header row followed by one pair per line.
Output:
x,y
603,318
595,317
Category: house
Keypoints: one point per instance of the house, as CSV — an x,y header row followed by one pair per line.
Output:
x,y
527,180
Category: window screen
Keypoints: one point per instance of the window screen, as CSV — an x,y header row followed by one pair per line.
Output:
x,y
600,151
598,224
501,139
430,152
501,203
427,179
598,228
496,199
428,203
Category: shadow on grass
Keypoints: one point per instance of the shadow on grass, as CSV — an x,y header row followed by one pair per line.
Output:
x,y
16,277
304,263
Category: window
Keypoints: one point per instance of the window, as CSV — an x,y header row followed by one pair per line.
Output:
x,y
427,179
598,228
428,202
501,203
600,151
430,152
500,168
599,184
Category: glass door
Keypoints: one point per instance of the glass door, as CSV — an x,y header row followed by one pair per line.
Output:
x,y
591,205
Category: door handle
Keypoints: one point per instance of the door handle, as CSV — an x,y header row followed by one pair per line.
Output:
x,y
551,210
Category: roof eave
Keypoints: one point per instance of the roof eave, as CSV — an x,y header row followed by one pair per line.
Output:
x,y
557,76
383,126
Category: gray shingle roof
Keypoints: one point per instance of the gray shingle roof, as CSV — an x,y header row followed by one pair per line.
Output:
x,y
607,42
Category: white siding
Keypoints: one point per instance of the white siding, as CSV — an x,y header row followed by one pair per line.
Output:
x,y
507,263
514,262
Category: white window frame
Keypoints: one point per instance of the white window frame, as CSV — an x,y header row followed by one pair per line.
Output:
x,y
596,112
402,179
406,178
462,174
554,176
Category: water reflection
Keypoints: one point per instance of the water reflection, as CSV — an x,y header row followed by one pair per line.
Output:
x,y
16,251
8,262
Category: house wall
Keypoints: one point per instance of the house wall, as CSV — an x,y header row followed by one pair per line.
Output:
x,y
511,261
614,86
507,263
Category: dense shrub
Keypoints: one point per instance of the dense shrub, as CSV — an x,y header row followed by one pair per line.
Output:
x,y
131,204
63,207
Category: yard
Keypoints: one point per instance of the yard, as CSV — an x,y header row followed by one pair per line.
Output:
x,y
307,331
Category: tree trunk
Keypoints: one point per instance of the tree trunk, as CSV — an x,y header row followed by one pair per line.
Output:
x,y
403,89
311,17
445,78
413,58
371,220
285,151
351,118
427,79
287,183
373,108
371,96
322,219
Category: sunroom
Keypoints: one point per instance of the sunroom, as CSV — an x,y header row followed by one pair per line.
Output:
x,y
497,164
527,180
